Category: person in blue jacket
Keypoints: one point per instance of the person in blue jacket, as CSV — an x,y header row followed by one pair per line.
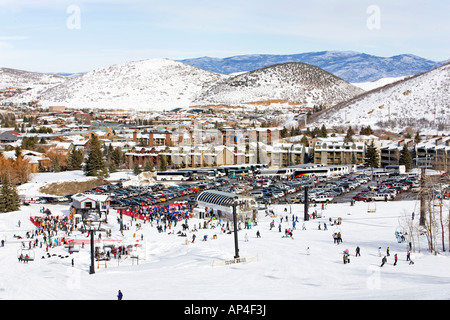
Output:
x,y
119,295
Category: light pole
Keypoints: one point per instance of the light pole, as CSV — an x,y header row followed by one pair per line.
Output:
x,y
236,248
306,201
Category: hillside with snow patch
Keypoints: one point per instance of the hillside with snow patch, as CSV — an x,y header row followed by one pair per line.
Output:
x,y
421,101
34,82
298,83
139,85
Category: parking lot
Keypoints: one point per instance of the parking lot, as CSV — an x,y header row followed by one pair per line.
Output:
x,y
271,190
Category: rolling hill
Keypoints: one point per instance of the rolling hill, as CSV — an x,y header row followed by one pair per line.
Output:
x,y
296,83
421,101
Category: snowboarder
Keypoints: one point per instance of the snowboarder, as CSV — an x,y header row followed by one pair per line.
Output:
x,y
379,251
387,252
258,235
395,259
383,261
358,251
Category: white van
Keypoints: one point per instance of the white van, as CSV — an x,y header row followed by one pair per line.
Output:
x,y
382,196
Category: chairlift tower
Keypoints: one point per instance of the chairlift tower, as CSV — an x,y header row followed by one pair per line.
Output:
x,y
90,220
229,205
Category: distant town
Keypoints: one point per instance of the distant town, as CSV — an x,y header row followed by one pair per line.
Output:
x,y
203,137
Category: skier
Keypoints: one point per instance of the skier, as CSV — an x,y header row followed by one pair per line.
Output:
x,y
358,251
395,259
258,235
383,261
246,237
387,251
379,251
119,295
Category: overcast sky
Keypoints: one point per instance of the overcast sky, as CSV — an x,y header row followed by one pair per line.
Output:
x,y
79,36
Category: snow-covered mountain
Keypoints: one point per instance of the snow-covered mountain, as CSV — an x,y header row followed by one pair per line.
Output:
x,y
298,83
24,79
35,82
351,66
142,85
420,101
167,84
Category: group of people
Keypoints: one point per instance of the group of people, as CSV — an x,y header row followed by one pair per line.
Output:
x,y
384,260
170,212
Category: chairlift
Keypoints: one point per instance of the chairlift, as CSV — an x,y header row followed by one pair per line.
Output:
x,y
25,255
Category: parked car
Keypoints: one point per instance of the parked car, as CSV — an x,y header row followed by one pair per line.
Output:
x,y
320,198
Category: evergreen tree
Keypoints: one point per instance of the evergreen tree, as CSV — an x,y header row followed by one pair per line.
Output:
x,y
136,168
9,198
372,158
405,158
349,135
112,167
148,166
117,156
95,164
75,160
366,131
417,138
304,141
323,131
162,163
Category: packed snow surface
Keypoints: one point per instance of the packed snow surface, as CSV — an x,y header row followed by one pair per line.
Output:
x,y
284,268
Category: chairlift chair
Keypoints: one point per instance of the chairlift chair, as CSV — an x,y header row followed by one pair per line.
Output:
x,y
25,255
